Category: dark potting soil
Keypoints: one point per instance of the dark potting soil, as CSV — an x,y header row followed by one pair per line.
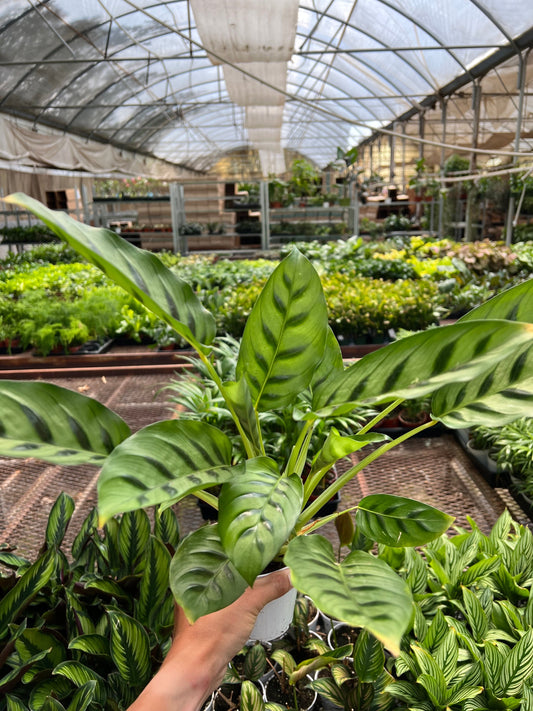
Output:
x,y
285,697
228,697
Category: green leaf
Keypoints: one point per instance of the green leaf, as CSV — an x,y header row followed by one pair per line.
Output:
x,y
202,577
463,693
447,655
137,271
58,686
435,690
518,666
499,395
285,335
32,641
55,424
58,520
95,644
76,672
338,446
129,648
166,527
14,704
154,582
87,528
331,364
238,394
251,699
361,590
78,614
514,304
424,362
105,585
163,462
368,657
255,662
476,617
399,522
83,697
52,704
11,560
493,665
479,570
257,513
328,690
133,538
35,578
284,659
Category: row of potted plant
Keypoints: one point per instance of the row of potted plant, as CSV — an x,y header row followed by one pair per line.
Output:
x,y
26,234
86,626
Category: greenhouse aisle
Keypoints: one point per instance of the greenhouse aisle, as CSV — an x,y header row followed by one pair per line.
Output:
x,y
431,469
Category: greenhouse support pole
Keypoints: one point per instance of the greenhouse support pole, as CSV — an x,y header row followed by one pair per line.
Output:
x,y
444,112
265,215
476,104
521,87
177,211
392,162
404,182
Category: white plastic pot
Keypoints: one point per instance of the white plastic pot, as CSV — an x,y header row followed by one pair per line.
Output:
x,y
275,618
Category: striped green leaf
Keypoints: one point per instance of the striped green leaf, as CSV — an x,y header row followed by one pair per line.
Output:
x,y
447,655
18,672
105,585
166,527
52,704
154,581
130,648
202,577
518,666
95,644
331,364
480,569
424,362
12,560
137,271
163,462
463,693
238,394
251,699
255,662
35,578
58,520
13,703
500,395
514,304
328,690
368,657
475,615
33,641
435,690
133,537
493,666
399,522
78,615
55,424
285,335
76,672
59,686
361,590
338,446
256,515
87,528
83,697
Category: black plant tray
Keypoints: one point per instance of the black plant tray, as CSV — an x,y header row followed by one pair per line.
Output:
x,y
94,347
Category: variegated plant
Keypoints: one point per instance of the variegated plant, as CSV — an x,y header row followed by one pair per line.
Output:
x,y
479,370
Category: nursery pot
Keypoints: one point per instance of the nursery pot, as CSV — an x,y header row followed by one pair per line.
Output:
x,y
273,693
275,618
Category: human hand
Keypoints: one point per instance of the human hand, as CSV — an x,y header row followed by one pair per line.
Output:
x,y
200,652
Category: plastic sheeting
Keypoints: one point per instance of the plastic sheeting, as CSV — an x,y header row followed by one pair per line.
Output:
x,y
134,74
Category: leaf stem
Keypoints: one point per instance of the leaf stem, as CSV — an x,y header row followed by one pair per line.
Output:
x,y
332,489
380,416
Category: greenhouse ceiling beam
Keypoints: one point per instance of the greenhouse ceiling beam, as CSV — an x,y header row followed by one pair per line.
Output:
x,y
479,70
187,56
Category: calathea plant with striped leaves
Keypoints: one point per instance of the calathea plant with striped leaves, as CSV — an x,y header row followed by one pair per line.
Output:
x,y
477,371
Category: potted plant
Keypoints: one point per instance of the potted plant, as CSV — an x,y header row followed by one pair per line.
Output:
x,y
264,514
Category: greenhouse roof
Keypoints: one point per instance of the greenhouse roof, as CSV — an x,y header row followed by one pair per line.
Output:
x,y
135,74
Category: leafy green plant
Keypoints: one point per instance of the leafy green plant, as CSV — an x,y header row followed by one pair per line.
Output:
x,y
86,627
475,371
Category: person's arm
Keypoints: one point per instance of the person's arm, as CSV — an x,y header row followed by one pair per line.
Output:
x,y
199,655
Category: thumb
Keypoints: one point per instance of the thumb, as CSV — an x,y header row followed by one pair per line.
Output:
x,y
270,587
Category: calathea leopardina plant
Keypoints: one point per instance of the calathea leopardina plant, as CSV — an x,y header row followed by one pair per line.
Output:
x,y
479,370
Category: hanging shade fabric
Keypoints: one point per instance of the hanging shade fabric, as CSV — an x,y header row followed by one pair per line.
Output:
x,y
264,135
247,30
263,117
272,161
246,91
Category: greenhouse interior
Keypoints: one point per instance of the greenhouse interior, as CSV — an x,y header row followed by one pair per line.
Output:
x,y
266,304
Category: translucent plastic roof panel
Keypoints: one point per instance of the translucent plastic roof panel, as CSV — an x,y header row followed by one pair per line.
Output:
x,y
135,73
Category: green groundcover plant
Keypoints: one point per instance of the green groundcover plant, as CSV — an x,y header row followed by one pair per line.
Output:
x,y
476,371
